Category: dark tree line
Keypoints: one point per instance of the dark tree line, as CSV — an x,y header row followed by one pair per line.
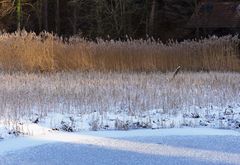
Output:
x,y
99,18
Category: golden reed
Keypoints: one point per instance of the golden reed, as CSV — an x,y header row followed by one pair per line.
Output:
x,y
28,52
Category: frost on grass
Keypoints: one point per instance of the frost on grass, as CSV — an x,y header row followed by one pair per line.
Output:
x,y
211,117
120,101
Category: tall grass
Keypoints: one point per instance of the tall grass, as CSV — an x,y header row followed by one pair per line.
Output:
x,y
29,52
22,95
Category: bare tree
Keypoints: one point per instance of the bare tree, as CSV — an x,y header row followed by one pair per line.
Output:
x,y
57,17
9,6
75,5
38,10
45,14
6,7
152,16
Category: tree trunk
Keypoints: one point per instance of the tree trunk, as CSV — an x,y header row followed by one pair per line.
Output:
x,y
146,18
75,18
19,15
45,14
152,17
57,17
39,14
99,10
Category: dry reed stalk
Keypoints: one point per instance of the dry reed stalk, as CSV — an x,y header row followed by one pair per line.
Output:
x,y
46,53
22,95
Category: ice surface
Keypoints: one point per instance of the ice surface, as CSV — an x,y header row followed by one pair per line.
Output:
x,y
168,146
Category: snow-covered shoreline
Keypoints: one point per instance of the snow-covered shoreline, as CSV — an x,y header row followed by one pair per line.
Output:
x,y
211,117
182,143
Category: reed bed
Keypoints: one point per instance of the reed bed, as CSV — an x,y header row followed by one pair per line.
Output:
x,y
23,95
28,52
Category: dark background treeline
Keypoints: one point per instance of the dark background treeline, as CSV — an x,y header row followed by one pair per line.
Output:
x,y
161,19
